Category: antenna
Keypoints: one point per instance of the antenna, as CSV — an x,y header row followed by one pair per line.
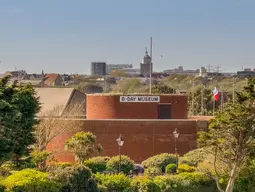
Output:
x,y
150,64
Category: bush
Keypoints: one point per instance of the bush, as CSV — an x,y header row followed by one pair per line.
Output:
x,y
192,182
170,169
97,164
58,165
139,169
194,157
30,180
159,161
127,164
153,171
75,178
183,168
144,184
110,183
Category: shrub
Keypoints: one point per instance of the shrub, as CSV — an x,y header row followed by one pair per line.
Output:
x,y
153,171
97,164
185,168
74,178
30,180
194,157
126,164
58,165
144,184
170,169
159,161
110,183
139,169
185,182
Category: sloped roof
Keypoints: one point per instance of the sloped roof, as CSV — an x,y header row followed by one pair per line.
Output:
x,y
51,98
51,77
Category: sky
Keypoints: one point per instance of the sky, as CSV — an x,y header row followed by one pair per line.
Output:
x,y
64,36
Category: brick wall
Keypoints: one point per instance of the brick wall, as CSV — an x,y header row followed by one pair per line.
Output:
x,y
142,138
110,107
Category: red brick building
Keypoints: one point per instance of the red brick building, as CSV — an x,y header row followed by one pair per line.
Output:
x,y
137,107
145,122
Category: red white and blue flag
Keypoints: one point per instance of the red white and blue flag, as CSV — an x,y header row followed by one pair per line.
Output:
x,y
216,94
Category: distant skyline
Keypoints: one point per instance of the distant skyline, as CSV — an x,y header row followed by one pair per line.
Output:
x,y
65,36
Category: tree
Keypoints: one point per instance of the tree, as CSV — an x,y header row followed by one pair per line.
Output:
x,y
196,96
18,109
230,137
162,89
51,126
83,145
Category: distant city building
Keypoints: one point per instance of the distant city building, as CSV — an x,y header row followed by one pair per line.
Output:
x,y
180,70
246,73
112,67
132,71
98,68
146,66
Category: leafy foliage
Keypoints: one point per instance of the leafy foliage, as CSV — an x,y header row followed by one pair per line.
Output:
x,y
116,182
74,178
159,161
144,184
184,168
18,109
183,182
153,171
30,180
97,164
194,157
171,168
126,165
162,89
83,145
231,134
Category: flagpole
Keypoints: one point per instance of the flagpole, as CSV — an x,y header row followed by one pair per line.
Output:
x,y
202,100
222,99
213,105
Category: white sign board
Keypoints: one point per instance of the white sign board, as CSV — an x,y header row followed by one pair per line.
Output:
x,y
140,99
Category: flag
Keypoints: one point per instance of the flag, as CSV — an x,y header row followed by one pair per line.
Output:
x,y
216,94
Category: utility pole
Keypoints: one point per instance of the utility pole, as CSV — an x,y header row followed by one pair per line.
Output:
x,y
193,93
233,93
202,100
150,62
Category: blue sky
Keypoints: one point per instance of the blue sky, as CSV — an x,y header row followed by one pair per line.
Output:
x,y
65,36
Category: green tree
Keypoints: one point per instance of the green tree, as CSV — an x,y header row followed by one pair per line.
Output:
x,y
83,145
230,138
18,109
162,89
129,86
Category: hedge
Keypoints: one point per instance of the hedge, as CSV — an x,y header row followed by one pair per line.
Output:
x,y
97,164
74,178
115,182
30,180
170,169
182,168
159,161
127,164
197,182
144,184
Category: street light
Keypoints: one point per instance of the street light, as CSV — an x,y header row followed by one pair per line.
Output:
x,y
176,135
120,142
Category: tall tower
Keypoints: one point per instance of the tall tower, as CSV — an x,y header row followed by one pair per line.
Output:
x,y
145,65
